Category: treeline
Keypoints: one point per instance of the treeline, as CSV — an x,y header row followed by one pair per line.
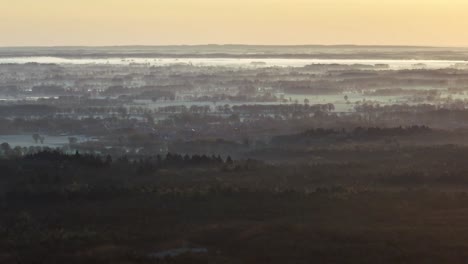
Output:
x,y
151,164
26,110
283,109
96,160
55,171
170,159
392,131
356,133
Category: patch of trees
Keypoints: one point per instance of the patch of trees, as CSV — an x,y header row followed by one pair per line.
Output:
x,y
27,110
9,90
356,133
56,157
151,164
285,109
48,90
390,132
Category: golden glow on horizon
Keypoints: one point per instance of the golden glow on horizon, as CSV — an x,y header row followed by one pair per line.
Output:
x,y
161,22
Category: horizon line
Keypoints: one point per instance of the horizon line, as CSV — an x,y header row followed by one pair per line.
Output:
x,y
245,45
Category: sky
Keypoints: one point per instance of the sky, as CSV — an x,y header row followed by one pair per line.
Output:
x,y
269,22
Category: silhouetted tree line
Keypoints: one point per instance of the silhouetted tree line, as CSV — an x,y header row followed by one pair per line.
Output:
x,y
142,164
358,132
284,109
392,131
369,131
26,110
178,161
56,156
54,172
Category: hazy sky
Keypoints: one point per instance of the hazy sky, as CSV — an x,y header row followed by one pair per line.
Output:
x,y
161,22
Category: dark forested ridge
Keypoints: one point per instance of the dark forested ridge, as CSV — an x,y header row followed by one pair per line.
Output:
x,y
92,208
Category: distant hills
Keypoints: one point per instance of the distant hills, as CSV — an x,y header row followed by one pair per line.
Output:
x,y
246,51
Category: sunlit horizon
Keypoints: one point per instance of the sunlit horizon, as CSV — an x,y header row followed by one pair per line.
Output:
x,y
256,22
